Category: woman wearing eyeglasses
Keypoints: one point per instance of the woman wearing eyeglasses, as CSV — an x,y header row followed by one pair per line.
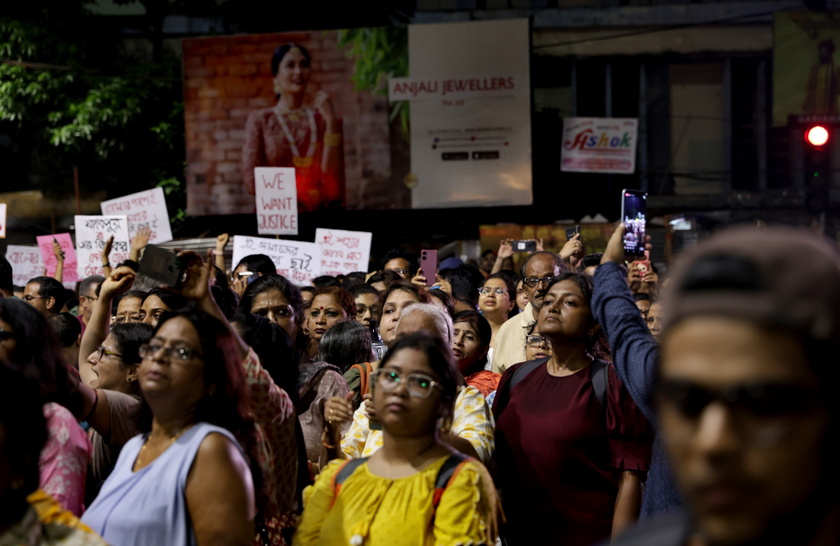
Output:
x,y
497,301
571,446
113,415
194,458
391,497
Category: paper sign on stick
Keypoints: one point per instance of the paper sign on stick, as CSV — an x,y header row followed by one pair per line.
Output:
x,y
2,220
26,263
299,262
45,243
143,209
343,251
92,232
276,190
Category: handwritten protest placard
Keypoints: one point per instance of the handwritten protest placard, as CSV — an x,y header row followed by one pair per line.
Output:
x,y
45,244
276,190
26,263
143,209
92,232
299,262
343,251
2,220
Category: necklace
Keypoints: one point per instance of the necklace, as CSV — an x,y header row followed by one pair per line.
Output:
x,y
298,160
138,463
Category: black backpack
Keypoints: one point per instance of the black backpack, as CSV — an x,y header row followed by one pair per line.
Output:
x,y
597,374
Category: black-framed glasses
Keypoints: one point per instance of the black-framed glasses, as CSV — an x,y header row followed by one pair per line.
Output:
x,y
103,352
5,334
764,412
498,291
537,341
121,319
531,282
148,350
417,384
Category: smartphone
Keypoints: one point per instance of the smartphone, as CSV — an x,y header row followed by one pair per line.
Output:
x,y
429,265
161,265
571,232
633,214
524,246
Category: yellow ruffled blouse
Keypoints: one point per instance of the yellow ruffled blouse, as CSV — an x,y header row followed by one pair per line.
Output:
x,y
375,511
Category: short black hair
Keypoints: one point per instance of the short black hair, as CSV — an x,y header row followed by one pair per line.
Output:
x,y
445,299
358,289
345,344
591,259
67,328
51,288
258,264
129,337
465,281
352,279
84,284
325,281
395,253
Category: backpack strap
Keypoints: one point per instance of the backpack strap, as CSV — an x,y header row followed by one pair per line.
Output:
x,y
600,380
344,471
447,472
364,377
517,376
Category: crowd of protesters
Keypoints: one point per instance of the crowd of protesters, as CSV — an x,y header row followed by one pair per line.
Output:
x,y
582,399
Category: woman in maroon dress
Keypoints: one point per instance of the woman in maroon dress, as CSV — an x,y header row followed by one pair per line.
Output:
x,y
570,467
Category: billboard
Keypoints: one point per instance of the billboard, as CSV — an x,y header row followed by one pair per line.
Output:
x,y
319,102
806,65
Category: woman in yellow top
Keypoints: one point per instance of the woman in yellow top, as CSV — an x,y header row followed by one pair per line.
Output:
x,y
400,496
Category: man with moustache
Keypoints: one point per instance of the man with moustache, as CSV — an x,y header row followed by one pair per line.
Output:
x,y
537,271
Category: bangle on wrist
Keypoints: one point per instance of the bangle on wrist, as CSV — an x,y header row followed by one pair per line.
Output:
x,y
324,441
218,253
106,264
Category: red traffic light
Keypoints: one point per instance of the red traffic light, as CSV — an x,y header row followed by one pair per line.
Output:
x,y
816,135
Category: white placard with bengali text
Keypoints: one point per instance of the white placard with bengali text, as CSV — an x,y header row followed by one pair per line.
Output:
x,y
92,232
343,251
143,209
276,193
26,263
297,261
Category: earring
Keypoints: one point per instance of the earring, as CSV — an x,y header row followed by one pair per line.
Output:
x,y
129,379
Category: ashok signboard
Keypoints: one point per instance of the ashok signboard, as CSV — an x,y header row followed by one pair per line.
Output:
x,y
599,145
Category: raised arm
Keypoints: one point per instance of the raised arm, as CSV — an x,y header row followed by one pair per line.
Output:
x,y
139,242
272,408
120,281
59,261
635,352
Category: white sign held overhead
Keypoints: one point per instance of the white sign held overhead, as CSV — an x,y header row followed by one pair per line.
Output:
x,y
342,251
2,220
92,233
143,209
299,262
276,191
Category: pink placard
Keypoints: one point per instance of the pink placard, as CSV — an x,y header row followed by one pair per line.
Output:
x,y
45,244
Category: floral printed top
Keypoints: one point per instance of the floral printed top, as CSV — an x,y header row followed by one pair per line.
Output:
x,y
473,421
64,460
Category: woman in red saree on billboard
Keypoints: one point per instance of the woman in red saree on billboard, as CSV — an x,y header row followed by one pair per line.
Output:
x,y
297,133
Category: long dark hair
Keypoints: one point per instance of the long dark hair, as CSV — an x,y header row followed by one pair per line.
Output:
x,y
38,353
226,402
596,344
